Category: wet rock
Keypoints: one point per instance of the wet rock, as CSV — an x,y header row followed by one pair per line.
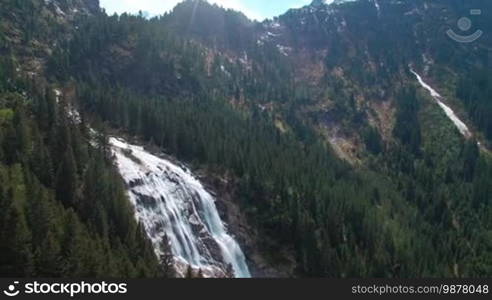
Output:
x,y
135,183
145,201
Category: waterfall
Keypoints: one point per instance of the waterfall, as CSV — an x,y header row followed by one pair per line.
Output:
x,y
463,129
170,201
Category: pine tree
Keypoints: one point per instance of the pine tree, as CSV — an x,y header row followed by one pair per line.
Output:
x,y
66,181
166,259
17,258
75,250
48,257
189,272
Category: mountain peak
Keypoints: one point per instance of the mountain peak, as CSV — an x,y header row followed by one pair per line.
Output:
x,y
318,3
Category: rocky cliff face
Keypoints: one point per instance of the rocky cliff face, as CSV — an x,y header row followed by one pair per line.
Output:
x,y
248,236
32,30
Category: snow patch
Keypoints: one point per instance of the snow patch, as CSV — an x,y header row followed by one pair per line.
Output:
x,y
427,63
224,70
275,25
58,94
284,50
74,115
338,2
378,7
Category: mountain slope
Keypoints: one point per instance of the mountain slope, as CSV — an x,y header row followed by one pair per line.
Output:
x,y
314,122
63,212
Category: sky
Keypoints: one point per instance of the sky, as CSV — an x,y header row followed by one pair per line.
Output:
x,y
254,9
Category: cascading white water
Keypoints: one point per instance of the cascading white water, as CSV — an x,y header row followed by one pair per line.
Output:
x,y
463,129
170,201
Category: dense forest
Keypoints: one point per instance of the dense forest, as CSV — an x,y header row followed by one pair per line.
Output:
x,y
418,205
64,211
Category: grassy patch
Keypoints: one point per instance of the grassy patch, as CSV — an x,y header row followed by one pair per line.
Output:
x,y
6,116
